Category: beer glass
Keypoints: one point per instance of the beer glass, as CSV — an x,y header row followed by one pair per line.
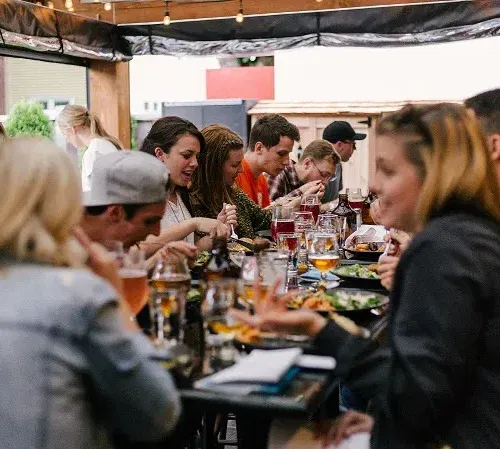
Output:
x,y
323,252
171,282
133,273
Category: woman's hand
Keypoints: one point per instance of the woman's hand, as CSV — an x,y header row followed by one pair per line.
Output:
x,y
344,426
272,315
174,251
104,265
213,227
228,215
100,261
386,269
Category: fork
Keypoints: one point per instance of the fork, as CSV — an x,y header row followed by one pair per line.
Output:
x,y
233,234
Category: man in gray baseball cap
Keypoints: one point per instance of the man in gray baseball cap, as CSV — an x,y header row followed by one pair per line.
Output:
x,y
127,199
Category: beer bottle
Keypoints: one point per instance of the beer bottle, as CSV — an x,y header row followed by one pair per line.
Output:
x,y
220,265
347,217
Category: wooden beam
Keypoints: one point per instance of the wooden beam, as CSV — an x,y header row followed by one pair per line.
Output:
x,y
109,85
153,11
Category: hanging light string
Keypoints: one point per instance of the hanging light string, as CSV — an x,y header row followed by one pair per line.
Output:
x,y
166,19
240,17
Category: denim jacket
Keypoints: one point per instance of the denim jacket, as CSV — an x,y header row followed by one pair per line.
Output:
x,y
70,374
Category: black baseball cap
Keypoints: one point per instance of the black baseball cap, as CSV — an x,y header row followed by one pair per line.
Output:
x,y
340,130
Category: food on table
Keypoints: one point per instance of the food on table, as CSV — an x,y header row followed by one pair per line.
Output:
x,y
302,268
194,295
203,258
378,247
358,271
339,300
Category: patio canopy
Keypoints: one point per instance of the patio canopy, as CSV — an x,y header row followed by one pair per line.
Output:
x,y
40,29
412,24
32,29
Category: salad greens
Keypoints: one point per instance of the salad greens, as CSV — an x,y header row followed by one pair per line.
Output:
x,y
343,300
194,295
356,270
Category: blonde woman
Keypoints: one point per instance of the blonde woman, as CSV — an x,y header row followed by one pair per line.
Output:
x,y
84,131
437,380
67,350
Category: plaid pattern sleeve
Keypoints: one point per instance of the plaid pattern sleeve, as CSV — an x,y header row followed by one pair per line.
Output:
x,y
286,183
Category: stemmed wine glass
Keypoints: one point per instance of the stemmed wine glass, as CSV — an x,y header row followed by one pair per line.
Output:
x,y
171,281
310,203
323,252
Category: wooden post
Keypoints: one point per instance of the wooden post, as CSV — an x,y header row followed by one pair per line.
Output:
x,y
109,87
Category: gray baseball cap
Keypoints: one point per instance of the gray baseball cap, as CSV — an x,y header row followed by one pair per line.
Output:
x,y
127,177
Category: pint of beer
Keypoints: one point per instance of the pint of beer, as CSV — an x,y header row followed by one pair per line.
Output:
x,y
135,288
134,277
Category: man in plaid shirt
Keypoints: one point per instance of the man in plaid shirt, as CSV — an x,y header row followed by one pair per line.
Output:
x,y
310,175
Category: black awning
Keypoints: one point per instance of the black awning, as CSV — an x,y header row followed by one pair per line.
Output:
x,y
373,27
39,29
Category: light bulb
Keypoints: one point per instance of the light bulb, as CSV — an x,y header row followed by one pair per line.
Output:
x,y
240,17
166,20
319,1
71,9
107,6
50,5
68,4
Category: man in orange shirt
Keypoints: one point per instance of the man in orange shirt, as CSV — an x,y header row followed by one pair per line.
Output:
x,y
271,142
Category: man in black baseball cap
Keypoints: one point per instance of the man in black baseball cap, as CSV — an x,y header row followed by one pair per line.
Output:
x,y
343,138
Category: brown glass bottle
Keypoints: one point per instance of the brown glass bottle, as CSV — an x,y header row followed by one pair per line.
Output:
x,y
220,265
366,217
347,216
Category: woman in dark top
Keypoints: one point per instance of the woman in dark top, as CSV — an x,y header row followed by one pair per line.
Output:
x,y
437,380
213,183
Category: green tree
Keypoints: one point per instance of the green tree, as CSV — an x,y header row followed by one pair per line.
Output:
x,y
28,119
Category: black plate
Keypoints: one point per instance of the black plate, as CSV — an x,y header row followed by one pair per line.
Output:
x,y
366,282
354,313
275,343
365,255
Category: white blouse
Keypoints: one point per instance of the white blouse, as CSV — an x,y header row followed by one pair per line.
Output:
x,y
96,148
175,213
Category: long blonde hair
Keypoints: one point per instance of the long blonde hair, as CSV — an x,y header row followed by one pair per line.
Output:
x,y
447,146
40,202
74,115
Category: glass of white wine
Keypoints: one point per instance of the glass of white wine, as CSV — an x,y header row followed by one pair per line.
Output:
x,y
323,252
171,281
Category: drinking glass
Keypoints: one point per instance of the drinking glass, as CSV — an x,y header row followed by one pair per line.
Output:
x,y
171,281
323,252
220,326
282,221
259,273
290,243
310,203
329,223
355,198
133,272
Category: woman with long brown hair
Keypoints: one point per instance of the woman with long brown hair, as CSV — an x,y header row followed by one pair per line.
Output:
x,y
83,130
214,183
437,380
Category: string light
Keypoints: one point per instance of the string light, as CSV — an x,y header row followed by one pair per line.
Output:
x,y
50,5
319,1
240,17
166,19
68,4
107,6
71,9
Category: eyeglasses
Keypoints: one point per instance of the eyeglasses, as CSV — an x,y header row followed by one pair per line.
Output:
x,y
323,174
